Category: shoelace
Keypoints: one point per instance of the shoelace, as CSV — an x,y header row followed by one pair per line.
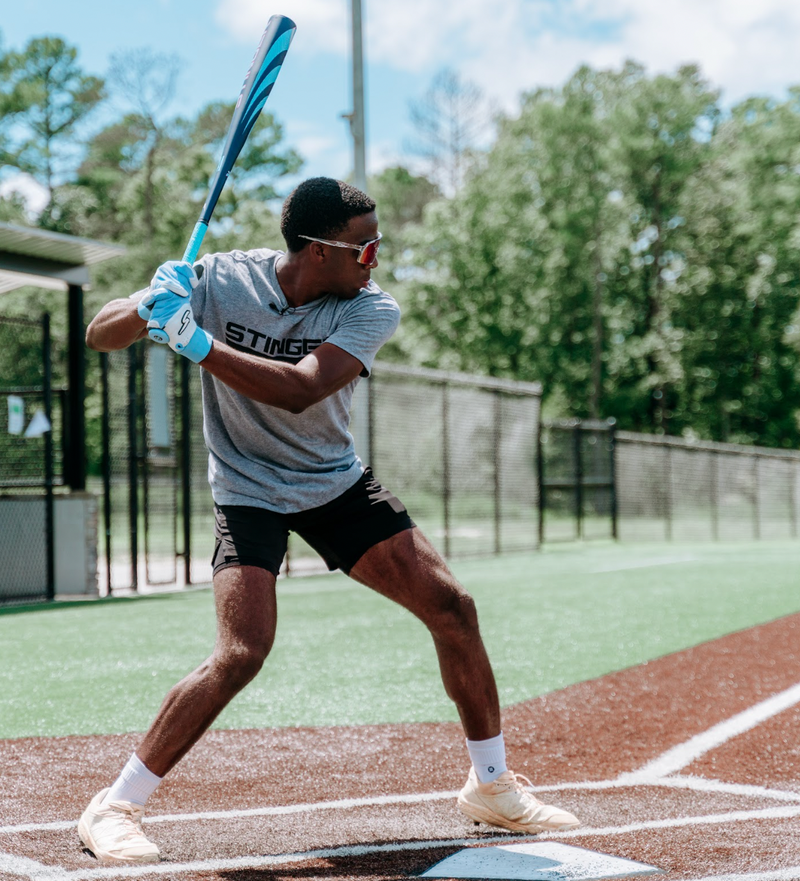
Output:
x,y
517,783
131,816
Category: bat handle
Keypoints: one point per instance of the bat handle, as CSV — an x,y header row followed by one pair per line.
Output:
x,y
190,254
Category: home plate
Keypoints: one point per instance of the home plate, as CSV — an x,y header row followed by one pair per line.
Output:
x,y
541,861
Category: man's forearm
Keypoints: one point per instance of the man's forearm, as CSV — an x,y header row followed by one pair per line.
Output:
x,y
275,383
115,327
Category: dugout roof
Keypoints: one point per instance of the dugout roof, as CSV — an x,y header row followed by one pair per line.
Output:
x,y
48,259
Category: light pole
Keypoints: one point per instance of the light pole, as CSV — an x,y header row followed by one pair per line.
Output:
x,y
356,117
363,434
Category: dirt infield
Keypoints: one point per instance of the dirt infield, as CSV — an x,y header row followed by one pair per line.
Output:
x,y
690,763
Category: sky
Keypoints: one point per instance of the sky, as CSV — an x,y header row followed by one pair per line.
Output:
x,y
506,47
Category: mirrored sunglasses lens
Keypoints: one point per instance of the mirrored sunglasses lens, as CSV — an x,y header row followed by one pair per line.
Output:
x,y
369,253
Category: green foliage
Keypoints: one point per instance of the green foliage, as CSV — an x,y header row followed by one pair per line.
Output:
x,y
43,97
633,250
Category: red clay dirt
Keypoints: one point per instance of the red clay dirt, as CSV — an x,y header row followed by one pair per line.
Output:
x,y
585,734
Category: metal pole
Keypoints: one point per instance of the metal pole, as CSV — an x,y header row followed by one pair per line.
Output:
x,y
540,476
714,496
106,467
446,465
186,471
357,117
75,467
48,460
612,450
498,500
133,467
577,439
668,491
756,500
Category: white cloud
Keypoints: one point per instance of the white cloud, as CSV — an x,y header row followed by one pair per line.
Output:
x,y
33,193
742,46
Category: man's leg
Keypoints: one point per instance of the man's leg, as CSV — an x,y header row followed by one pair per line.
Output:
x,y
246,611
406,568
244,597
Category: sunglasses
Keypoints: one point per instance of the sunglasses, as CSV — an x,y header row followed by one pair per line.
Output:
x,y
366,252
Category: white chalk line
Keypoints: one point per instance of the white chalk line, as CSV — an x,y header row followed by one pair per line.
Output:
x,y
790,873
39,872
653,773
698,784
685,753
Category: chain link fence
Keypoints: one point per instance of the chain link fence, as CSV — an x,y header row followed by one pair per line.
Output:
x,y
31,462
577,484
672,488
460,451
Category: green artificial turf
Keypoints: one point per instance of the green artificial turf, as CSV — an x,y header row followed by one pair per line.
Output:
x,y
344,655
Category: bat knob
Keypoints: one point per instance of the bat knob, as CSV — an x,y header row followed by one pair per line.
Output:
x,y
157,335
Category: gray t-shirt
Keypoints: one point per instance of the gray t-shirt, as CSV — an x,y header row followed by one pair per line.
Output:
x,y
261,455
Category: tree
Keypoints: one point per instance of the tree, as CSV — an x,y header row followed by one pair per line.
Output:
x,y
44,96
663,129
450,120
147,80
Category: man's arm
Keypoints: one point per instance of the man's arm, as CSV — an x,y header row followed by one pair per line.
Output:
x,y
116,326
292,387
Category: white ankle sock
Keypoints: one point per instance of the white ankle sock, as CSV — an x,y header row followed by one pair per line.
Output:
x,y
488,757
136,783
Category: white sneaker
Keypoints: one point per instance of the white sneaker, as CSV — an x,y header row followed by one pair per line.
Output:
x,y
113,832
505,802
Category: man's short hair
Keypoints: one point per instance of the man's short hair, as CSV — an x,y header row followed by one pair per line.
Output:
x,y
321,207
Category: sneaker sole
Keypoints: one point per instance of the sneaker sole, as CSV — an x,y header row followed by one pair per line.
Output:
x,y
88,842
482,815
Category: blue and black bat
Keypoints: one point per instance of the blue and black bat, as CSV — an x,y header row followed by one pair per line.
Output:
x,y
258,84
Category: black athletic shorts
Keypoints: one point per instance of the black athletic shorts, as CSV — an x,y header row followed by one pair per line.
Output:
x,y
340,531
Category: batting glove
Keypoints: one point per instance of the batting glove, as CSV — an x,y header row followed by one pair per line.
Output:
x,y
176,276
158,305
184,336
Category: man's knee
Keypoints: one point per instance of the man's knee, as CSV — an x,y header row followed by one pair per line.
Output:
x,y
454,612
239,664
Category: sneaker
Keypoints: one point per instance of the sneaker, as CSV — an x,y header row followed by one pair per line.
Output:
x,y
505,802
113,832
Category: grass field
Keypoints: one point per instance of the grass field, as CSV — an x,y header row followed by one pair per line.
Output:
x,y
345,656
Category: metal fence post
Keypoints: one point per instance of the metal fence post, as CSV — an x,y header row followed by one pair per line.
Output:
x,y
497,440
576,442
106,465
48,458
668,491
446,465
133,466
715,498
186,470
612,452
756,501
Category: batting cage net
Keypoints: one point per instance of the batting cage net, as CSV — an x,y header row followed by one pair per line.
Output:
x,y
672,488
31,461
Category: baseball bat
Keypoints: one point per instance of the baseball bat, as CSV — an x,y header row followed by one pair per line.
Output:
x,y
258,84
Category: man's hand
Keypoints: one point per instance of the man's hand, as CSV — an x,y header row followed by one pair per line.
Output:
x,y
170,319
157,306
185,337
176,276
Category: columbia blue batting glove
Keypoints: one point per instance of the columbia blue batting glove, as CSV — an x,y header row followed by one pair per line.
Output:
x,y
184,336
176,276
158,305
